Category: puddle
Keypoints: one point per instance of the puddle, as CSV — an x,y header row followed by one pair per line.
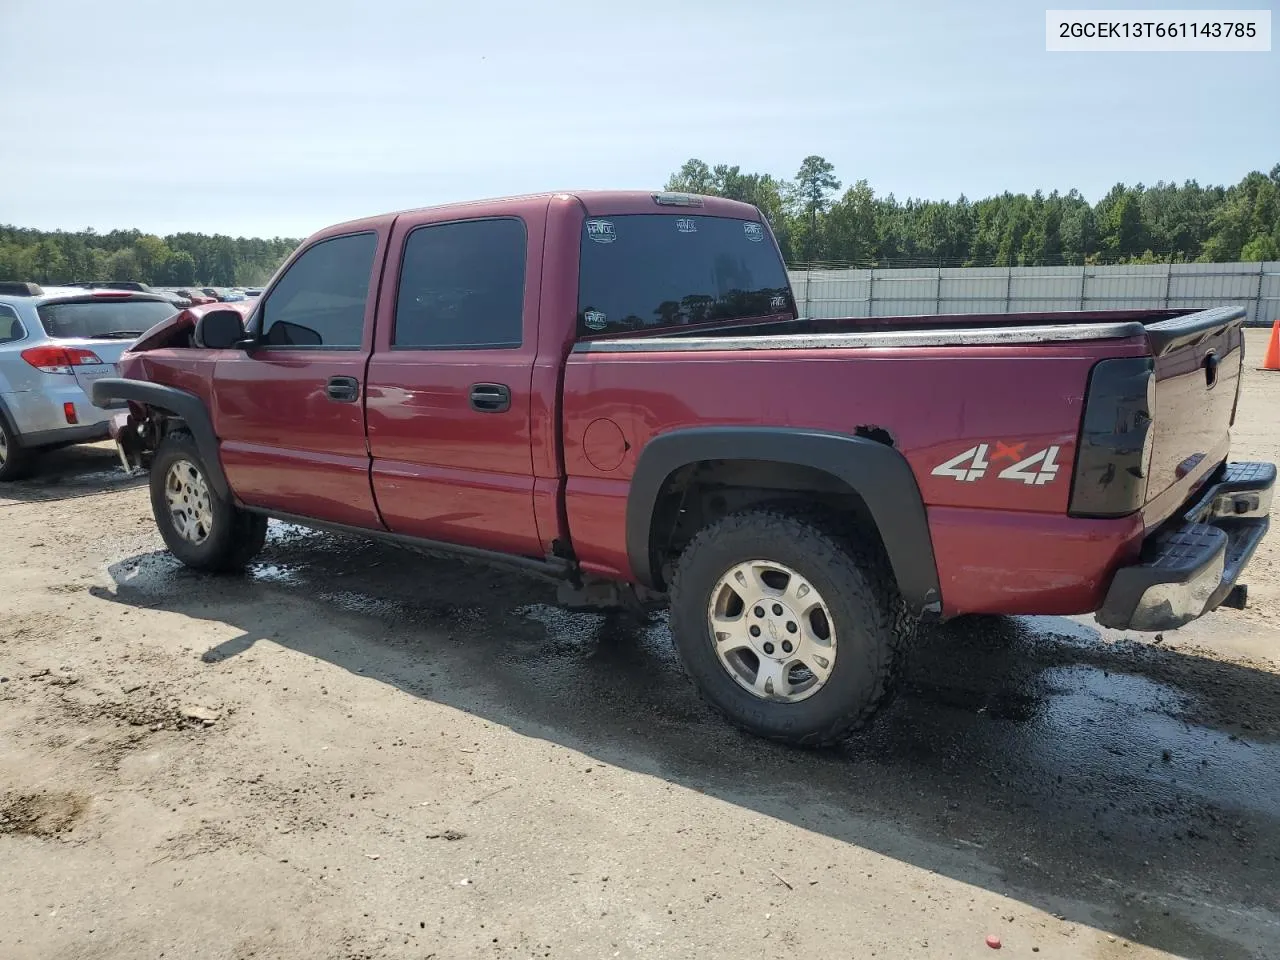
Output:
x,y
279,531
275,573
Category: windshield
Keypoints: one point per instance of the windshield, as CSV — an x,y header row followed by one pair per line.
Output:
x,y
655,270
103,318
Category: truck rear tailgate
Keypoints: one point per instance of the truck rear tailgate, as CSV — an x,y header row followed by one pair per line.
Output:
x,y
1156,427
1199,360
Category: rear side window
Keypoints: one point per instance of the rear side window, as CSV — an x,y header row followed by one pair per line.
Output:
x,y
462,286
651,270
10,326
320,300
103,319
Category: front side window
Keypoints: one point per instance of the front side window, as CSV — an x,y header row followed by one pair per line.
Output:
x,y
645,271
10,326
320,300
462,286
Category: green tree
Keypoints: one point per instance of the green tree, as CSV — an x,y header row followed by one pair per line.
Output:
x,y
1122,233
694,176
851,225
151,254
179,269
814,184
48,262
122,264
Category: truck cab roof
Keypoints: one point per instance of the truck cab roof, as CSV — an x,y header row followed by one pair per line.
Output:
x,y
594,202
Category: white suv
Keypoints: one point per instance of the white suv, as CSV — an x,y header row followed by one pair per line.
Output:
x,y
54,342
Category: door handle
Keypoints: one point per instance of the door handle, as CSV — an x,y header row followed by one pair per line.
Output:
x,y
490,397
343,389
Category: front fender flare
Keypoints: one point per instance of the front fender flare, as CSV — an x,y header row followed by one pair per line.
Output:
x,y
180,403
878,473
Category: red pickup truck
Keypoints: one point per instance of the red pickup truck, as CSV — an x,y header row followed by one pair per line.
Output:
x,y
613,389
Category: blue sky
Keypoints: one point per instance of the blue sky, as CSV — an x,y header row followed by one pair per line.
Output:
x,y
270,118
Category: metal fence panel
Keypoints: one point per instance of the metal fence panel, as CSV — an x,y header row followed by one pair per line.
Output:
x,y
887,292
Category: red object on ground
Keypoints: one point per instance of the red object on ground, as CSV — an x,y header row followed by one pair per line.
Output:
x,y
1271,361
993,942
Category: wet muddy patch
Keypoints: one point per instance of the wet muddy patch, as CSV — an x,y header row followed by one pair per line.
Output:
x,y
43,814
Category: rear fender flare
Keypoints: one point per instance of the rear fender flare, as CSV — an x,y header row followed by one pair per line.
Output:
x,y
181,403
878,473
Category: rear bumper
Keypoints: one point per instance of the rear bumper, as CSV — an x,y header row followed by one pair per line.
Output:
x,y
1191,565
39,412
65,436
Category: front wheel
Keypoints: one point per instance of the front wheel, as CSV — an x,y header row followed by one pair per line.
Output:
x,y
789,631
200,528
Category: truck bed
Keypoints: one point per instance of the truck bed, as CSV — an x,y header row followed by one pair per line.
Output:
x,y
938,389
1166,329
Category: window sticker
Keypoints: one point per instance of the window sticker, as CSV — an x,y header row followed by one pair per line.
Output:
x,y
601,231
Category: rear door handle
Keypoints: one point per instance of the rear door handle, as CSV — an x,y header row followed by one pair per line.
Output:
x,y
343,389
490,397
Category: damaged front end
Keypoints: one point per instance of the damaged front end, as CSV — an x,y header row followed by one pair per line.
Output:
x,y
136,435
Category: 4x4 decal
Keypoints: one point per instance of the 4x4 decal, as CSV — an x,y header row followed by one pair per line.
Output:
x,y
1037,469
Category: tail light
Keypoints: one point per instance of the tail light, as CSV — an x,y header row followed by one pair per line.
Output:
x,y
1117,437
59,359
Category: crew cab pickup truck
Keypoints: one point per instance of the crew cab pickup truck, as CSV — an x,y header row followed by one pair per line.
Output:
x,y
614,390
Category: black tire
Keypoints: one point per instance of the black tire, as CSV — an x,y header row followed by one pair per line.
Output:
x,y
234,536
871,625
15,461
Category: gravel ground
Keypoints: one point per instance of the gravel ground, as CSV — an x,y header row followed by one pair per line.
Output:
x,y
355,753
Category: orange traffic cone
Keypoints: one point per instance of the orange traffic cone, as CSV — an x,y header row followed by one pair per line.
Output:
x,y
1272,359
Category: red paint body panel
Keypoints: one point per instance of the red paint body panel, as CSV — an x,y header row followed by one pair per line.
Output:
x,y
995,561
414,457
442,470
286,445
927,398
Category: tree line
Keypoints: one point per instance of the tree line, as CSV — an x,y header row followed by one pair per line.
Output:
x,y
814,222
818,224
177,260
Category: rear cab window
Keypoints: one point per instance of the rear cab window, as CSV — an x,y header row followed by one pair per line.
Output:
x,y
102,318
643,272
462,286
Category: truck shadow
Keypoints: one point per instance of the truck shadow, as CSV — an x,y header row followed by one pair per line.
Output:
x,y
1120,784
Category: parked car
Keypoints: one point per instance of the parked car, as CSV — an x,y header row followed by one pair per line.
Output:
x,y
197,296
177,300
253,292
54,342
614,390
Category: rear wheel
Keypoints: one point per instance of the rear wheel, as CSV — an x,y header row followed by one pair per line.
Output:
x,y
200,528
789,631
15,462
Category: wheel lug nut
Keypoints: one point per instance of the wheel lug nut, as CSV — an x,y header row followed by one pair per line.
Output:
x,y
791,626
786,646
758,611
768,648
777,609
755,631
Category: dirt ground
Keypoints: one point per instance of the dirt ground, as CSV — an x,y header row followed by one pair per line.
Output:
x,y
356,753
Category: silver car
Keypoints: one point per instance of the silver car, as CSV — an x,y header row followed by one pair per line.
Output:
x,y
54,342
